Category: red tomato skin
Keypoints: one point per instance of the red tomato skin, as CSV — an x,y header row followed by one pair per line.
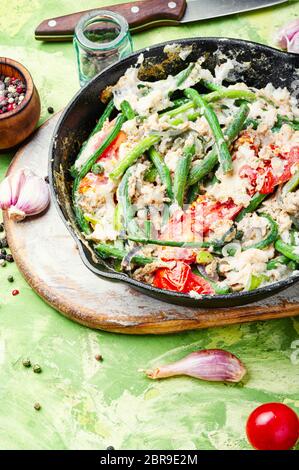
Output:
x,y
181,279
273,426
172,279
112,149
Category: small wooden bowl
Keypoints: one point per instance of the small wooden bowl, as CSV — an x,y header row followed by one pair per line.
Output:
x,y
18,124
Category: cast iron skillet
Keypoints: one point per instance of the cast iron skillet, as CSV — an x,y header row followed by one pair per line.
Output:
x,y
267,65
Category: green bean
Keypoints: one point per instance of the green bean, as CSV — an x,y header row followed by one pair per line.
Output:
x,y
109,251
103,118
175,104
211,85
106,142
127,110
162,169
182,76
256,200
193,193
97,128
270,238
131,158
292,184
151,174
230,94
172,243
224,156
80,219
201,169
290,251
127,209
275,262
210,98
181,174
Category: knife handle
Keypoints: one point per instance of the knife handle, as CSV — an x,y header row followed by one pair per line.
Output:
x,y
139,15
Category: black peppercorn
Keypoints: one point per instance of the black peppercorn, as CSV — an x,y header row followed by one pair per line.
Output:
x,y
3,251
50,110
110,448
10,278
26,363
1,227
37,369
37,406
3,243
47,179
9,258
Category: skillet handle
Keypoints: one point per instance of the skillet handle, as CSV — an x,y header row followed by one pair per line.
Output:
x,y
139,15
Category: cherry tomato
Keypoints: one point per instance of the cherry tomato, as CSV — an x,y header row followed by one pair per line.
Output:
x,y
181,279
273,426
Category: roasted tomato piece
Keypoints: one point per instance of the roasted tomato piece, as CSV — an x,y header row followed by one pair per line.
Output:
x,y
172,279
197,221
266,173
199,285
90,182
181,279
112,150
208,211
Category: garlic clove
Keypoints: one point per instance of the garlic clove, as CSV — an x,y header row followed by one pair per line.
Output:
x,y
17,180
286,36
293,45
5,193
214,365
23,194
34,195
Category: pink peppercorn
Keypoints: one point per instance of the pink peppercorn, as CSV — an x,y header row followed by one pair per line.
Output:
x,y
15,292
19,89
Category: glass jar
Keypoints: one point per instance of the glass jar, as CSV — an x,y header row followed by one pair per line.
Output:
x,y
101,39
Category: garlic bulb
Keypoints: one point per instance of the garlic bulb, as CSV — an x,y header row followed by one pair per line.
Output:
x,y
23,193
214,365
288,37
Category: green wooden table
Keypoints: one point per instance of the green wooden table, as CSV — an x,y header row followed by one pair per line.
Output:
x,y
88,404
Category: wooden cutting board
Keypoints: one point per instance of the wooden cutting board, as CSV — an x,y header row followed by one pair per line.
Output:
x,y
47,256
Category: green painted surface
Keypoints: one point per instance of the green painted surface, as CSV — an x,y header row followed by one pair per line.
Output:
x,y
90,405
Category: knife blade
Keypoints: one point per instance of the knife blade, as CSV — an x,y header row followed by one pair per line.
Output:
x,y
145,14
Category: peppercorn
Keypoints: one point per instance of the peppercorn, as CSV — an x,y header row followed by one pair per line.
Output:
x,y
50,110
3,251
99,357
15,292
10,278
9,258
47,179
2,262
1,227
26,363
3,243
37,406
110,448
37,369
